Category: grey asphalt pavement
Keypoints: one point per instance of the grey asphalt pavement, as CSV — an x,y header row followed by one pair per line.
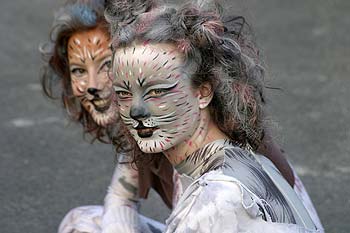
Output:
x,y
47,168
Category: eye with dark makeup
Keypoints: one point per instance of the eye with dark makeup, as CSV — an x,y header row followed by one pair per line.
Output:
x,y
106,65
121,94
78,72
123,90
159,92
156,92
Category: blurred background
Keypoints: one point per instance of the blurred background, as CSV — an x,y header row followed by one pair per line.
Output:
x,y
46,167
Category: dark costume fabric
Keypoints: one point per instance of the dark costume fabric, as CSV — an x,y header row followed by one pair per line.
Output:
x,y
157,174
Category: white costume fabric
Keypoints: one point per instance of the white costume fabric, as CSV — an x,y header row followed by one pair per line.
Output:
x,y
212,201
219,203
306,200
120,210
233,190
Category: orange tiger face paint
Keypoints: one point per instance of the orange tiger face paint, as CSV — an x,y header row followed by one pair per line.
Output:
x,y
89,57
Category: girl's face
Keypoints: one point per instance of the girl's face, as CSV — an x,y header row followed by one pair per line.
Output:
x,y
89,57
154,94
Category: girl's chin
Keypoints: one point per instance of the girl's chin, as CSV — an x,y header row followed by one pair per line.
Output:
x,y
103,119
153,146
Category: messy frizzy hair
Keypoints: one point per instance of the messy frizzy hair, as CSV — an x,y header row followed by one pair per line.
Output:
x,y
219,45
74,16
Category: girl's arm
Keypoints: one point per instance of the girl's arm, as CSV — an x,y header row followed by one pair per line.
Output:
x,y
120,204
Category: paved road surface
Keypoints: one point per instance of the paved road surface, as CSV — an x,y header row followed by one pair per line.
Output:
x,y
47,168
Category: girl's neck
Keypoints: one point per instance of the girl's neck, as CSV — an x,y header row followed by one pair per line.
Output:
x,y
206,132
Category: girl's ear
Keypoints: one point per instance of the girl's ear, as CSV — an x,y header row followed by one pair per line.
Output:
x,y
205,95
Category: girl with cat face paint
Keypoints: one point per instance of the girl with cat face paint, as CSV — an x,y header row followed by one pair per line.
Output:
x,y
79,55
189,86
89,58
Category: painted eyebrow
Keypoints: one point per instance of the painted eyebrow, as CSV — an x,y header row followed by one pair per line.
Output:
x,y
125,85
141,81
98,58
103,56
82,65
75,65
103,61
156,82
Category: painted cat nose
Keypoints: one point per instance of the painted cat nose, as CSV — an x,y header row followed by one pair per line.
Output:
x,y
139,112
92,91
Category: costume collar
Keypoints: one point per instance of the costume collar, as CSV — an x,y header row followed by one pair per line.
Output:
x,y
203,159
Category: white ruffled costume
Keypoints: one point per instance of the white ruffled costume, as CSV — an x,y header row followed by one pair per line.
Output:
x,y
211,202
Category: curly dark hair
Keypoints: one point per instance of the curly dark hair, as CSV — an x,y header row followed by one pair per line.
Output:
x,y
75,16
221,48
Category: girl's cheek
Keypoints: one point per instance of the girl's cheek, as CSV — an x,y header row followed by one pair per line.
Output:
x,y
153,100
78,88
124,105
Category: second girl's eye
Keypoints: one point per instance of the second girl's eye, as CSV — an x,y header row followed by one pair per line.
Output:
x,y
78,71
106,66
123,94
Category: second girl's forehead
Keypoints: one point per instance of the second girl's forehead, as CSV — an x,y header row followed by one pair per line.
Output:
x,y
91,44
143,64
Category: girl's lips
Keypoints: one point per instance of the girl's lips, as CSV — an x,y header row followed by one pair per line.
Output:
x,y
145,132
101,105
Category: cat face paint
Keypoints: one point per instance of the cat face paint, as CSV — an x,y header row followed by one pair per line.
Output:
x,y
89,57
155,98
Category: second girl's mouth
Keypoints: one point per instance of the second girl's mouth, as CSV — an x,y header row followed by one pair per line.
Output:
x,y
101,105
145,132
